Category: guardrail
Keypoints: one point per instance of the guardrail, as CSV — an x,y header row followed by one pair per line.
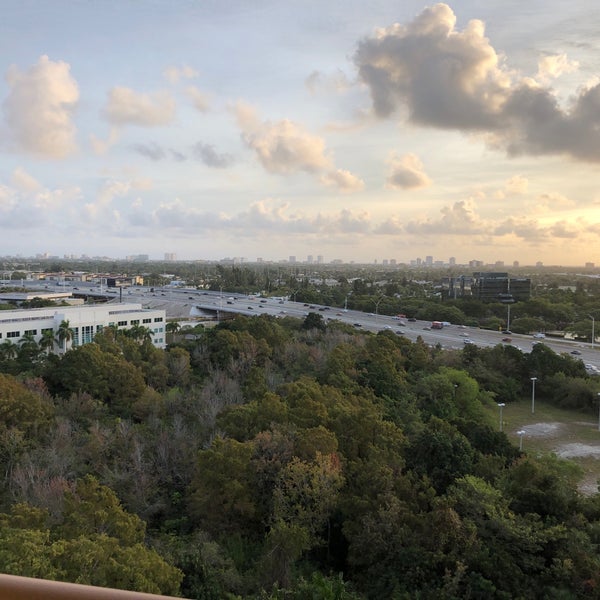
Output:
x,y
26,588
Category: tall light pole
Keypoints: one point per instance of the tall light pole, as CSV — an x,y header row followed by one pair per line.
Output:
x,y
593,332
533,380
521,433
508,317
377,308
501,405
598,411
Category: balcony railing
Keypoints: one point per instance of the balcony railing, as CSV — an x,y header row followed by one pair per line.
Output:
x,y
26,588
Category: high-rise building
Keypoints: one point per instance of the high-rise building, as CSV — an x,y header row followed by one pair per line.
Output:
x,y
499,287
170,256
292,260
429,261
452,261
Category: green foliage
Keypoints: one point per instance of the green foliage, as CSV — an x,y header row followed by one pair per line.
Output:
x,y
104,375
22,408
95,542
265,456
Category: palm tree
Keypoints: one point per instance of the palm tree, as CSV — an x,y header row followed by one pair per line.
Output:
x,y
139,333
29,349
47,341
8,350
172,327
64,334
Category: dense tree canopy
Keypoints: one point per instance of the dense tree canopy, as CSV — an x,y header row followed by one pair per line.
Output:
x,y
278,458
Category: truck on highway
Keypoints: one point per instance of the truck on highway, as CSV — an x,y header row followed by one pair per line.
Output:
x,y
437,325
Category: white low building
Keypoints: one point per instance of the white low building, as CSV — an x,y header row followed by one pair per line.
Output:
x,y
84,321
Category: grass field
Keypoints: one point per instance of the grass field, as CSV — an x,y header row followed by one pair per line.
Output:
x,y
569,434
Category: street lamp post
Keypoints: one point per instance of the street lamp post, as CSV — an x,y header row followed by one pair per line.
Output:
x,y
377,308
521,433
593,331
533,380
501,405
598,411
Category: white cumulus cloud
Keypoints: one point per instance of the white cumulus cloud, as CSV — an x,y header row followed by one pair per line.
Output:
x,y
128,107
406,172
39,108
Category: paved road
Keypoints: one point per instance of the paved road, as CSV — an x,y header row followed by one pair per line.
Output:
x,y
191,303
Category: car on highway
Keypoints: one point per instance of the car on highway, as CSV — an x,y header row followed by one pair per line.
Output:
x,y
467,341
357,325
507,340
464,334
576,352
412,320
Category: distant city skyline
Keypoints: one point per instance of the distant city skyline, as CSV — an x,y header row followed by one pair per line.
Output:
x,y
357,131
429,261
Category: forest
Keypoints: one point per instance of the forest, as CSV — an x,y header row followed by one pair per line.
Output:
x,y
275,458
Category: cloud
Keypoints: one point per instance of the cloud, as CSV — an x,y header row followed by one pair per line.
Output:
x,y
200,100
261,218
175,74
444,77
336,82
207,154
127,107
343,180
152,151
29,204
24,181
284,147
553,66
459,219
406,173
39,109
517,185
452,79
101,147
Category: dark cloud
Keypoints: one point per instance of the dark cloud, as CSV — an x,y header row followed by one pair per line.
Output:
x,y
452,79
152,151
207,154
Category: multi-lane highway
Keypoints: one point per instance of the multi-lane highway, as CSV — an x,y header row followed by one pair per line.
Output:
x,y
185,304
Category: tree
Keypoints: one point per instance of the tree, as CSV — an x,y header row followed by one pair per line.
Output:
x,y
21,407
314,321
223,489
64,334
8,350
47,340
172,327
108,377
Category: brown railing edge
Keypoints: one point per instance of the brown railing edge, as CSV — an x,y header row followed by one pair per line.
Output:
x,y
14,587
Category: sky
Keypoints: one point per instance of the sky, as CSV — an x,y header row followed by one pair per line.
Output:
x,y
352,130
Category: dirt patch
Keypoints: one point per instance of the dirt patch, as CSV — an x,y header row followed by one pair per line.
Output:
x,y
578,451
542,429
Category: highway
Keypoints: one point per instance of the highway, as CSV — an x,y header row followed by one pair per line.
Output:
x,y
189,304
